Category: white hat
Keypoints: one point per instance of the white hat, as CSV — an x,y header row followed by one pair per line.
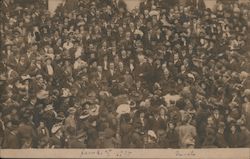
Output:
x,y
152,134
42,94
243,75
84,115
142,104
154,13
104,93
236,9
246,92
123,109
55,128
25,77
190,75
138,32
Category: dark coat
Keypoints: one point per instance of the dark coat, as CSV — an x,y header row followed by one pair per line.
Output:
x,y
172,139
244,139
233,140
137,140
26,132
55,142
92,141
75,143
11,140
125,132
220,141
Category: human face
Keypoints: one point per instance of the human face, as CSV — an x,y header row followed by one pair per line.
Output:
x,y
42,124
112,66
142,114
99,68
210,120
233,128
166,73
120,65
171,126
162,111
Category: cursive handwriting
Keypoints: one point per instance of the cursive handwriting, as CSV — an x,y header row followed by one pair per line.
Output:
x,y
185,153
105,152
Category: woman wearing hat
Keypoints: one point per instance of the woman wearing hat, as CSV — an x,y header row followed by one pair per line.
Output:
x,y
11,140
42,133
49,115
172,137
220,140
70,121
56,141
125,130
151,140
109,140
77,141
187,134
48,68
137,138
244,136
233,136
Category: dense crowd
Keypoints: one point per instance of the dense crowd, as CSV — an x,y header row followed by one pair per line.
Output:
x,y
95,75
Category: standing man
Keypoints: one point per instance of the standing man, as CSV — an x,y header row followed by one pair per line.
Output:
x,y
187,134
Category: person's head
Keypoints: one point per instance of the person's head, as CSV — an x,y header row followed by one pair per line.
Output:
x,y
99,69
142,114
112,66
123,54
243,127
41,123
171,125
216,112
232,127
166,73
22,59
120,65
120,30
94,64
162,111
128,35
210,121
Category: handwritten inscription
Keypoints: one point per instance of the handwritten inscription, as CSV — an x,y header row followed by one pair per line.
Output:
x,y
106,153
190,153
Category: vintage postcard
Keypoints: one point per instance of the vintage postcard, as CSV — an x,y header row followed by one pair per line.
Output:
x,y
125,79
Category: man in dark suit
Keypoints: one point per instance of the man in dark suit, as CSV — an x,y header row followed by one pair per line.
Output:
x,y
11,137
111,74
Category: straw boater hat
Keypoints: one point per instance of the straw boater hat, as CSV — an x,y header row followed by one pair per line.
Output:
x,y
25,77
152,134
84,115
123,109
42,94
56,128
72,110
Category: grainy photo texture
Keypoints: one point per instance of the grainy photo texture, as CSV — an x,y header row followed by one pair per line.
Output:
x,y
125,74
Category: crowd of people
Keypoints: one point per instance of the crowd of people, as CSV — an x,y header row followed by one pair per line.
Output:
x,y
96,75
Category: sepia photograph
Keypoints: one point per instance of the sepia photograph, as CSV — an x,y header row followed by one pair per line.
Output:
x,y
123,78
